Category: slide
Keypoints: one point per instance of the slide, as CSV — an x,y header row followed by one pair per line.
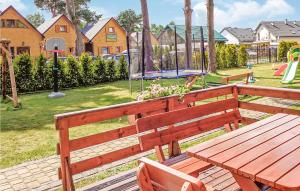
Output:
x,y
280,70
290,72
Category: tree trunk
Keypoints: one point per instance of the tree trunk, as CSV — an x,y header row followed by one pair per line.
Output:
x,y
76,22
148,45
188,30
211,37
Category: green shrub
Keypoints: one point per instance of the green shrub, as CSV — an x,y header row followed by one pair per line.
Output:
x,y
73,74
122,69
62,76
100,71
41,74
223,57
282,51
231,57
110,70
242,56
220,61
23,73
283,48
87,71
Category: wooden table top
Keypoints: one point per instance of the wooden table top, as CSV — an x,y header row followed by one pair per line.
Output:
x,y
267,151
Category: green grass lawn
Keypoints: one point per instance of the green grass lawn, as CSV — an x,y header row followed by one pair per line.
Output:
x,y
29,133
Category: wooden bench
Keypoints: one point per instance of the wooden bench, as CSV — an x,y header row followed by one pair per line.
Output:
x,y
246,75
184,123
153,176
67,121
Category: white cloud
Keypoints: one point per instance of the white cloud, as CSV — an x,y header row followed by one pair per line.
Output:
x,y
18,4
100,10
242,10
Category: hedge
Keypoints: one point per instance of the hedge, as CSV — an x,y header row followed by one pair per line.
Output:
x,y
283,48
229,56
36,75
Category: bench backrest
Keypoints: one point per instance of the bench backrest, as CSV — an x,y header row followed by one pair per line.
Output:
x,y
152,176
187,122
66,122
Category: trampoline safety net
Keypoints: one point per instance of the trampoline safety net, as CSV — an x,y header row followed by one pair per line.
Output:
x,y
168,54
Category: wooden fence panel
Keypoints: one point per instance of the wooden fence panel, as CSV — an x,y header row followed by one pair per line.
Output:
x,y
267,108
269,92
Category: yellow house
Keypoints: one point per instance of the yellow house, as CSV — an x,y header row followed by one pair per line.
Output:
x,y
60,27
105,37
24,37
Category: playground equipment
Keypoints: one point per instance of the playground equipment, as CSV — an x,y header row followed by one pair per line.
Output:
x,y
280,70
7,60
294,60
168,65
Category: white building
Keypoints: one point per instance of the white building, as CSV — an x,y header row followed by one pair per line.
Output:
x,y
238,35
275,31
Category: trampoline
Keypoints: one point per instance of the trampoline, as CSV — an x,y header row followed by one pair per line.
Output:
x,y
167,74
170,60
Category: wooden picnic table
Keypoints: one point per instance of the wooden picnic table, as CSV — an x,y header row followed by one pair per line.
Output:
x,y
266,152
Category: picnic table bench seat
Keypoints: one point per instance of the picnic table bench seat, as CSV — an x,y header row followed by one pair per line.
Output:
x,y
186,164
219,179
216,178
153,176
184,123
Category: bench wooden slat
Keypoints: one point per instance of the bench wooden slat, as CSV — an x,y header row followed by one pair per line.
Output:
x,y
187,130
237,77
165,177
219,179
98,161
173,117
103,137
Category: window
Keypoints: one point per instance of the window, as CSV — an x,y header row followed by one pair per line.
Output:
x,y
19,24
104,50
2,23
111,29
23,50
62,28
10,23
118,49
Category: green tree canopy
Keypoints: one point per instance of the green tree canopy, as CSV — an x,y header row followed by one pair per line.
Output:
x,y
172,23
36,19
156,29
129,20
59,7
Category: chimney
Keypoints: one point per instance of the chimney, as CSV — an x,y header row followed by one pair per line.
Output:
x,y
286,21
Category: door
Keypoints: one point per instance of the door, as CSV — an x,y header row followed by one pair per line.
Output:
x,y
89,48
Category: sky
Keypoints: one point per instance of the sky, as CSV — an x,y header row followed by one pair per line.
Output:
x,y
228,13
